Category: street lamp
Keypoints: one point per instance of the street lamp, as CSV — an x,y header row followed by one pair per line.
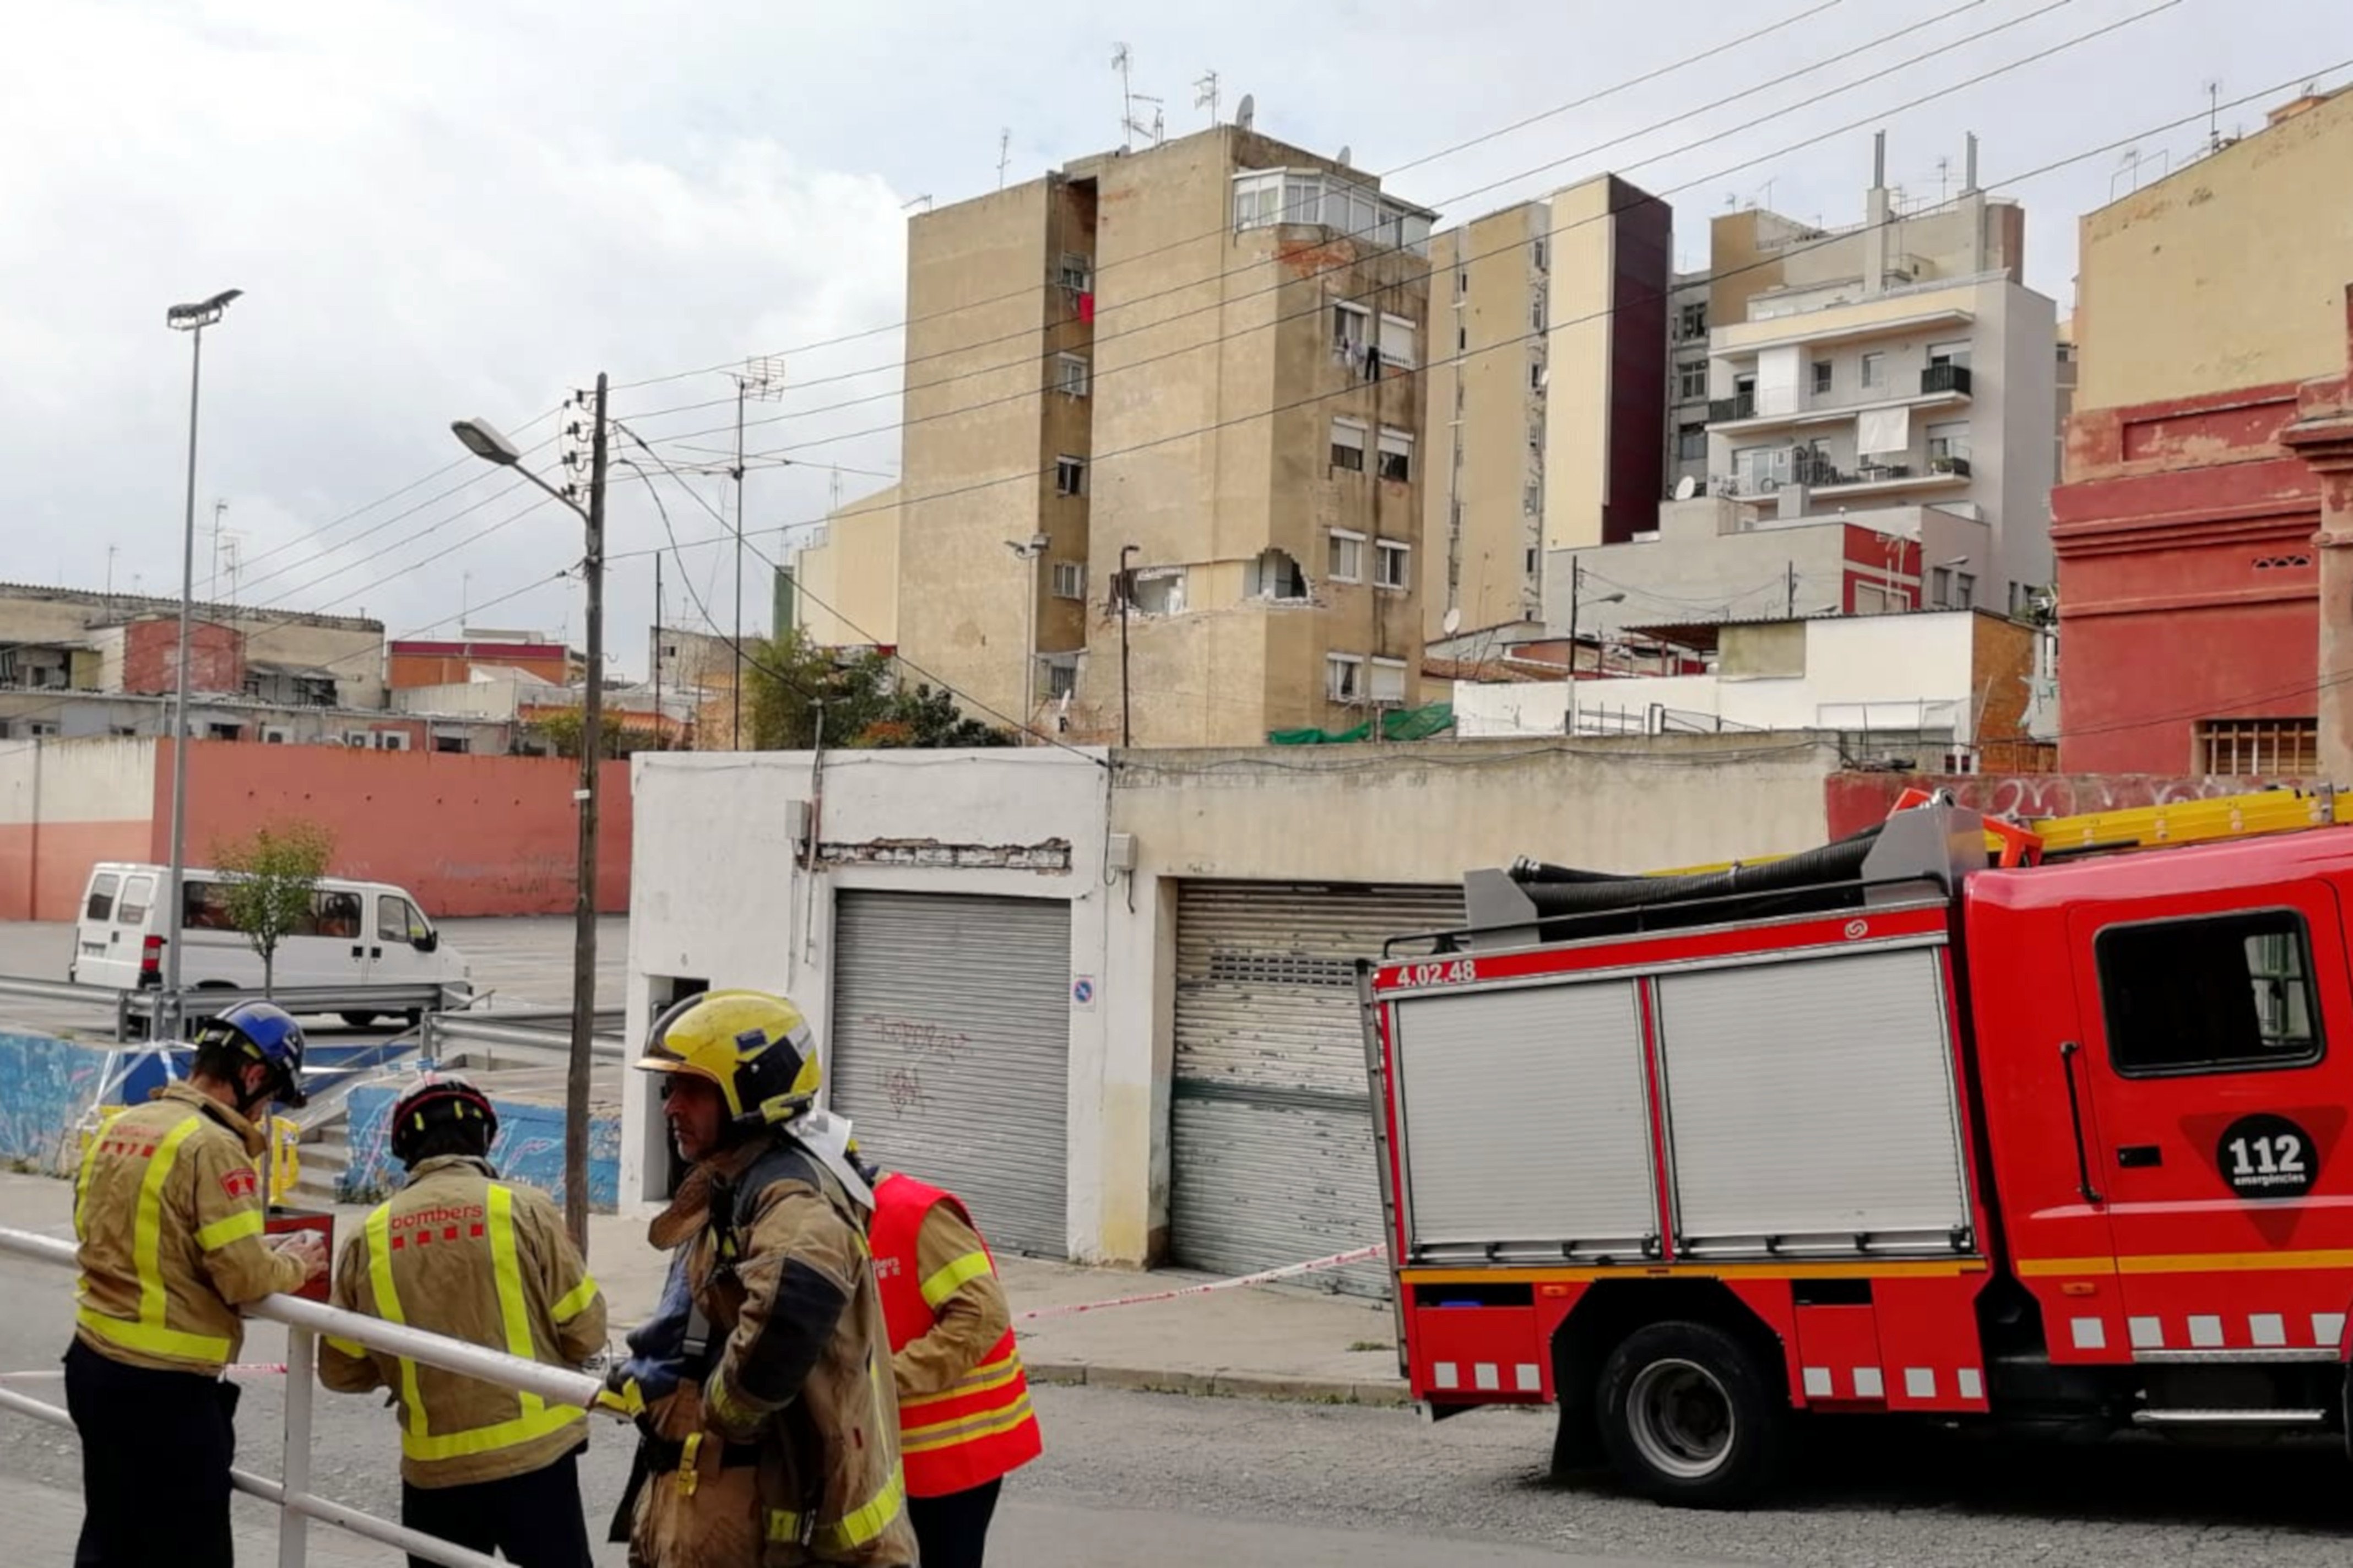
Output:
x,y
1029,553
483,439
191,319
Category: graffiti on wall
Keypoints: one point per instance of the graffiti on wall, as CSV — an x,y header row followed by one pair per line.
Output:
x,y
529,1150
1855,801
46,1086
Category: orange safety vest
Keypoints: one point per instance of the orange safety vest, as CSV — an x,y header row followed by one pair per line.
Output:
x,y
981,1426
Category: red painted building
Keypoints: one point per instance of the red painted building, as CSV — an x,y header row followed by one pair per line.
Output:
x,y
151,647
2189,589
422,662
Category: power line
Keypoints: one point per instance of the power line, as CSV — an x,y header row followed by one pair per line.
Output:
x,y
1507,246
1102,337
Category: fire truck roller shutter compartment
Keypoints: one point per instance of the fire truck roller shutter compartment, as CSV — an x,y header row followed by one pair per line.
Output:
x,y
1526,1124
1810,1107
1272,1143
951,1050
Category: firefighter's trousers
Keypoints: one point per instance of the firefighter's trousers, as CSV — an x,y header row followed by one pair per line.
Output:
x,y
155,1452
535,1518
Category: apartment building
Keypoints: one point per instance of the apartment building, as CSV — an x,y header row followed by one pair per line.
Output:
x,y
2202,570
1162,469
1548,403
1893,380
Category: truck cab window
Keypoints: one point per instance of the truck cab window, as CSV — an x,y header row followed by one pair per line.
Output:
x,y
2224,994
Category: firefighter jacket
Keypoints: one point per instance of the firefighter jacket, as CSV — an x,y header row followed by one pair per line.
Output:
x,y
168,1214
785,1450
964,1417
459,1252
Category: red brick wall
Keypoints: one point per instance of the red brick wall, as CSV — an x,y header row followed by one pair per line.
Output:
x,y
150,658
468,835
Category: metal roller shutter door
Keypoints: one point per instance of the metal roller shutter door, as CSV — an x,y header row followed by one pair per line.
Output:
x,y
951,1050
1271,1144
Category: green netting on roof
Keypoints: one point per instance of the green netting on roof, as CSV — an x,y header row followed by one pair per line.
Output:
x,y
1407,724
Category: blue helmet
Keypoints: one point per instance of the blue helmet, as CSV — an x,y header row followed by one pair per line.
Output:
x,y
265,1034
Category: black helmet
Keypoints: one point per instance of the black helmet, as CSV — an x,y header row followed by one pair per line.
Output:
x,y
440,1099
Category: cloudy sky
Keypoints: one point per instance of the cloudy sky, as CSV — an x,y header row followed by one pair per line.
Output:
x,y
447,209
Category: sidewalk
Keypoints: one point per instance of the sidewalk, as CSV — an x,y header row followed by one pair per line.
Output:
x,y
1276,1342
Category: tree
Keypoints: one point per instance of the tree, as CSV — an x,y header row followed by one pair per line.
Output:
x,y
614,739
785,678
271,879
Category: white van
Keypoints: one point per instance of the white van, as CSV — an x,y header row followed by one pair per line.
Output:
x,y
357,933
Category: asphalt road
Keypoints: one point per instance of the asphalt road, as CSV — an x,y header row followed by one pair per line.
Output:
x,y
1151,1479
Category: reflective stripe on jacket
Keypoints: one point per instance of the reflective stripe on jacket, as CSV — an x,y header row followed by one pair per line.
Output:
x,y
462,1254
167,1213
964,1416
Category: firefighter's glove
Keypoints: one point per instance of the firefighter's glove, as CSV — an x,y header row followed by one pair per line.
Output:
x,y
621,1396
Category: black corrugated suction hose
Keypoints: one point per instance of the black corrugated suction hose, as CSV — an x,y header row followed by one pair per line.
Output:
x,y
1566,890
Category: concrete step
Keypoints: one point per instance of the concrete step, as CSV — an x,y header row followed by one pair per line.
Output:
x,y
323,1165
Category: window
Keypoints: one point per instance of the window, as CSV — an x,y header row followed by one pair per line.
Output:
x,y
40,728
1536,311
1691,380
1824,375
1941,581
452,746
1948,440
1392,563
1346,562
1274,575
1462,283
1343,677
2221,993
1070,579
1536,375
1965,591
1690,443
1070,476
1691,321
1077,274
1388,680
2066,354
1062,677
1348,445
1542,253
224,732
1351,329
1531,502
1397,455
1396,340
396,919
138,894
1461,340
2253,748
1070,374
333,915
1948,353
102,889
1162,595
1874,370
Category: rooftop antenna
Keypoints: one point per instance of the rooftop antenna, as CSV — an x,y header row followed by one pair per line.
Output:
x,y
1157,130
1004,154
212,588
2213,115
836,505
109,569
1245,112
1121,57
232,561
1205,94
1944,175
924,201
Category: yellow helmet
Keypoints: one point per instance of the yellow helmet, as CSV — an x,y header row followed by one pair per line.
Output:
x,y
755,1046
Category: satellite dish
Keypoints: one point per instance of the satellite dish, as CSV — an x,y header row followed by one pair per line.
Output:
x,y
1342,159
1454,621
1247,115
1686,488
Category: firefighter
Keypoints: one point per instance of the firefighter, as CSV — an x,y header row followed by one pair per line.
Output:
x,y
964,1417
168,1215
458,1252
763,1381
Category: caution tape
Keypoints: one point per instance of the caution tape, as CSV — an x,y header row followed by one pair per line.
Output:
x,y
1263,1276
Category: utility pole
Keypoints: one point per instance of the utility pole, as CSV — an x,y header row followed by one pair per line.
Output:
x,y
583,931
657,652
483,440
758,378
1126,602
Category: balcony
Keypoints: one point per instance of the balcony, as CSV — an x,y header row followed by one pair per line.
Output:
x,y
1940,386
1826,479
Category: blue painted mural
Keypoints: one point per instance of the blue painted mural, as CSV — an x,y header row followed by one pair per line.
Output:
x,y
529,1150
47,1085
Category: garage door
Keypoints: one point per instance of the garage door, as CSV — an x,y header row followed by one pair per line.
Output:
x,y
1271,1144
951,1050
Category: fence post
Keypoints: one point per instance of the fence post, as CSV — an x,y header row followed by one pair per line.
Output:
x,y
294,1462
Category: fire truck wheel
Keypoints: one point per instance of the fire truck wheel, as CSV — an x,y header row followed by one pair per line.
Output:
x,y
1689,1417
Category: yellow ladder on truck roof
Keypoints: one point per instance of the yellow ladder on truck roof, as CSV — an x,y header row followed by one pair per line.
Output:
x,y
2026,841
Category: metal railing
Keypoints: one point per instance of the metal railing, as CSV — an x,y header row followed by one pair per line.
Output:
x,y
528,1031
305,1321
146,1004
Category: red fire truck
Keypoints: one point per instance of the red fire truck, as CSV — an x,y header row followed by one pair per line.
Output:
x,y
1932,1122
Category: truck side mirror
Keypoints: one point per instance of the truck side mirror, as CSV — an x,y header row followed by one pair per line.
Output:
x,y
428,942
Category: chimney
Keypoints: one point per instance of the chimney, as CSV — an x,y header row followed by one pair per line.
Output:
x,y
1969,166
1875,220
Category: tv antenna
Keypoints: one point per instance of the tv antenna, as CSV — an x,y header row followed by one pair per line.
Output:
x,y
1205,94
1004,154
1122,59
2213,115
924,201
